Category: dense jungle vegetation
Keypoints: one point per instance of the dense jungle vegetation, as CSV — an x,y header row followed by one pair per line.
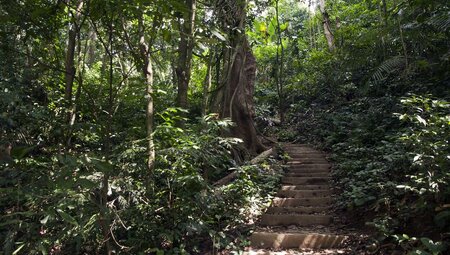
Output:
x,y
118,119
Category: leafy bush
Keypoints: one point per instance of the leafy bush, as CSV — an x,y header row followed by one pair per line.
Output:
x,y
65,203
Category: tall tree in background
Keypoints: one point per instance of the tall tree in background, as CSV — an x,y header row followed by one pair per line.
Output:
x,y
207,83
142,53
279,75
147,71
186,45
70,70
327,25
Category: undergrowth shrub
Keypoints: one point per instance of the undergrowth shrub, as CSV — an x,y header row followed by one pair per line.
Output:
x,y
394,166
56,204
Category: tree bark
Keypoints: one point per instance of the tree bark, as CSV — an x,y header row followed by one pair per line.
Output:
x,y
234,98
70,58
327,26
147,71
207,84
383,25
402,38
279,67
186,45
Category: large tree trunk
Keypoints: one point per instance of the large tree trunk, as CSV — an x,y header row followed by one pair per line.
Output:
x,y
234,98
238,101
327,25
185,47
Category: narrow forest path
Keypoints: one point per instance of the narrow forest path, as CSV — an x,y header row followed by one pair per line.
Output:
x,y
300,219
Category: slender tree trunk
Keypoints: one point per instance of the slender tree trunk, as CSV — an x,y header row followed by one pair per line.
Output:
x,y
383,25
327,26
384,8
91,47
185,48
70,57
279,67
311,39
402,39
207,84
147,71
81,63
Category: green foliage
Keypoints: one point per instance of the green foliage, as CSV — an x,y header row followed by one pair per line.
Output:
x,y
81,186
61,198
420,246
379,103
427,142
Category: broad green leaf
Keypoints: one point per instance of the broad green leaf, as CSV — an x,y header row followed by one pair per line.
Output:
x,y
262,28
102,165
21,152
45,219
284,26
421,120
219,36
67,217
18,249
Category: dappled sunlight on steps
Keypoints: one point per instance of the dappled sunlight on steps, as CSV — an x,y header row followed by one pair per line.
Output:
x,y
300,208
296,240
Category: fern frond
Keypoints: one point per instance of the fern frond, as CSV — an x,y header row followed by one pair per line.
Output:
x,y
387,67
440,21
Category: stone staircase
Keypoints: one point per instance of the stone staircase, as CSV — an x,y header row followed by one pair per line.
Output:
x,y
299,216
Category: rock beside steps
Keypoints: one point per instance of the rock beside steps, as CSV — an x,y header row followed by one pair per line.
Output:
x,y
300,211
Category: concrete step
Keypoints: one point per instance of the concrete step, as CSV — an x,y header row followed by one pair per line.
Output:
x,y
303,152
310,174
303,193
295,219
292,202
298,147
309,166
305,180
319,173
306,155
309,171
306,187
308,161
296,240
293,252
298,210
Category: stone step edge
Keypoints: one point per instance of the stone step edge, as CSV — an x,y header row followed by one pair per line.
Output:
x,y
298,209
296,240
303,193
295,219
295,202
305,187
